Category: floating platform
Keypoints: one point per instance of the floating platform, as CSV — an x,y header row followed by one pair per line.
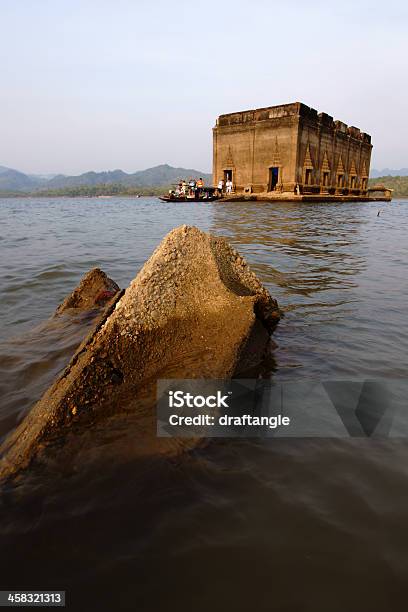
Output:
x,y
374,194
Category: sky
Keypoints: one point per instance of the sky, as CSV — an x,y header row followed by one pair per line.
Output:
x,y
97,85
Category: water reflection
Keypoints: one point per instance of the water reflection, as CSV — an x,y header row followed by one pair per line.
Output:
x,y
304,248
317,260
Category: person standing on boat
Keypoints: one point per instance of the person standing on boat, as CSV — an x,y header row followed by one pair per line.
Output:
x,y
192,185
200,185
220,187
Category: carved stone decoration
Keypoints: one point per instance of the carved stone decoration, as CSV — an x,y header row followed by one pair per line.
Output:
x,y
229,160
308,168
276,157
353,175
340,175
340,166
325,174
308,163
325,162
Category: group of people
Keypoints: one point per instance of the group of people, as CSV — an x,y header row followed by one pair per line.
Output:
x,y
228,187
190,188
195,189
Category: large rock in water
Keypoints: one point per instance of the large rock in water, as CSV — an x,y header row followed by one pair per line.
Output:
x,y
195,310
95,289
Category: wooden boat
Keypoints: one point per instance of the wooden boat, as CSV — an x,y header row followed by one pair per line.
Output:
x,y
200,194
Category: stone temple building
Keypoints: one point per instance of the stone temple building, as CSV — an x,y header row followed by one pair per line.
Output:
x,y
291,150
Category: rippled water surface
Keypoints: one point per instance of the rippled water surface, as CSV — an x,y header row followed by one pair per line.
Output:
x,y
313,525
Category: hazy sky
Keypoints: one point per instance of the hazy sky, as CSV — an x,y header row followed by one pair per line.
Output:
x,y
99,85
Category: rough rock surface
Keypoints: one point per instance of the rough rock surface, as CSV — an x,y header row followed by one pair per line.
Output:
x,y
95,289
191,312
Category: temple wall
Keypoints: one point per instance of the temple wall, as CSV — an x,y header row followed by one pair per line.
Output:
x,y
297,145
340,155
250,143
275,146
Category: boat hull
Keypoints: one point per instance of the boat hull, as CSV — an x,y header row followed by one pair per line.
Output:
x,y
184,199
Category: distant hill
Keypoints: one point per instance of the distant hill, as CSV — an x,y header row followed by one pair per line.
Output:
x,y
388,172
13,180
152,177
87,179
398,183
42,176
163,175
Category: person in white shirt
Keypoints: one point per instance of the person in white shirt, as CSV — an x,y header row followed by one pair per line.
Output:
x,y
220,187
228,185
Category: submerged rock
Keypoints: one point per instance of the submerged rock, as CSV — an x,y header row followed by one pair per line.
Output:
x,y
30,362
195,310
94,289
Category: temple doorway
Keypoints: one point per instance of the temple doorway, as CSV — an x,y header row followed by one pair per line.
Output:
x,y
308,176
273,178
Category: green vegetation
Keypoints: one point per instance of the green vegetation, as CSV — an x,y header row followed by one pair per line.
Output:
x,y
90,191
101,189
398,183
6,193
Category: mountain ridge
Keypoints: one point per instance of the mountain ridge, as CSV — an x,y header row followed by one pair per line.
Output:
x,y
157,176
14,180
388,172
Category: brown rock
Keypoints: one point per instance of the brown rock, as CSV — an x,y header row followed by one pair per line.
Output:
x,y
194,316
95,289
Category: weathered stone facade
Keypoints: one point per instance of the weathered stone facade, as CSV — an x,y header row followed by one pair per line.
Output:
x,y
290,149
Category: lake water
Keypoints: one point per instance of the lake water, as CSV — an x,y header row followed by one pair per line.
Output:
x,y
308,525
